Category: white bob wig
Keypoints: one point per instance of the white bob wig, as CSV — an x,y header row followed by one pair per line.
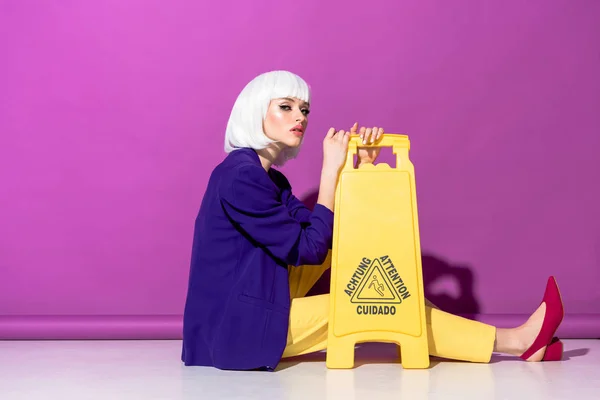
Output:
x,y
245,125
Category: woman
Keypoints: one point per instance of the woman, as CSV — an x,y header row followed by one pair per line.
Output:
x,y
257,250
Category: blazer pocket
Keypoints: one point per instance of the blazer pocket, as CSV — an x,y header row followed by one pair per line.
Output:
x,y
263,303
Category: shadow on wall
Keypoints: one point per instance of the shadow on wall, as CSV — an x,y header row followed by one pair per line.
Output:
x,y
450,287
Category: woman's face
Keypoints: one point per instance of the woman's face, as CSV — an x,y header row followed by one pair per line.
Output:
x,y
286,121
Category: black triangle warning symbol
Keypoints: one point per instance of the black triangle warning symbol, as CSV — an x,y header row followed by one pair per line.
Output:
x,y
376,287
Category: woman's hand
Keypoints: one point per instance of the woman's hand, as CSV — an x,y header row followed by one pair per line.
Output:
x,y
367,155
335,150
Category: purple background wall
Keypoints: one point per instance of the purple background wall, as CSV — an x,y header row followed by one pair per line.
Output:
x,y
112,115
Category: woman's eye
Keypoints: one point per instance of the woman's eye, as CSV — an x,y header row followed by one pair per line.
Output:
x,y
305,111
284,107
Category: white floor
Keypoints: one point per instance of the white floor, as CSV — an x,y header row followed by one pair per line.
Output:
x,y
152,370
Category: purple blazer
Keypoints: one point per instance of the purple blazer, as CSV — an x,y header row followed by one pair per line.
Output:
x,y
248,230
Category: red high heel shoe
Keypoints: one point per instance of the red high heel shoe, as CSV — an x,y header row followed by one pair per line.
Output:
x,y
552,319
554,350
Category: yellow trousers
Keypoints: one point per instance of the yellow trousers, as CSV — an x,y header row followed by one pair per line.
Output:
x,y
449,336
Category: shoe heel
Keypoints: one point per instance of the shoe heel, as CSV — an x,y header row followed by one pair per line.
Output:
x,y
554,350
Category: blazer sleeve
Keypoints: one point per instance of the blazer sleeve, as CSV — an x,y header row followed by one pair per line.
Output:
x,y
252,203
297,209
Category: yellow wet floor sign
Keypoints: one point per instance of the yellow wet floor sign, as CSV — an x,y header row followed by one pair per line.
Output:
x,y
376,275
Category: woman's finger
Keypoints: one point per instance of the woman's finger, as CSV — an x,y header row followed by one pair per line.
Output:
x,y
330,133
373,134
345,140
362,133
366,136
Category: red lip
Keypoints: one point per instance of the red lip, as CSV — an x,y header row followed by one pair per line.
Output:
x,y
298,130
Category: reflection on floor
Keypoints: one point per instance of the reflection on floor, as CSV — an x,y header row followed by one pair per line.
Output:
x,y
115,370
